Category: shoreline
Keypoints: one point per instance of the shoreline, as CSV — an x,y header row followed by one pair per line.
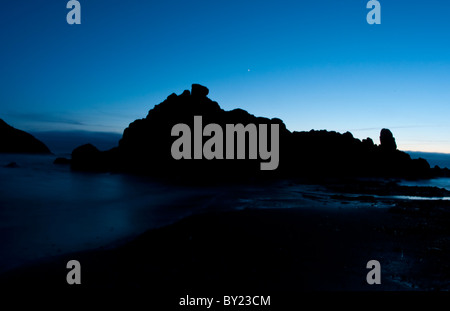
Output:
x,y
311,247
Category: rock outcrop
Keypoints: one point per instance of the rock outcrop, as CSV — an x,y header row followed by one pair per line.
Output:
x,y
387,140
145,148
16,141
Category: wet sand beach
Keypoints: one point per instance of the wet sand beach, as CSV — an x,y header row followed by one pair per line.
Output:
x,y
314,243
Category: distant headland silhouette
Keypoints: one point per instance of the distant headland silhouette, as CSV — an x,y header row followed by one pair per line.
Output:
x,y
13,140
145,148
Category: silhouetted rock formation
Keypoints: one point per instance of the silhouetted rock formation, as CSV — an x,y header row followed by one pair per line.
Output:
x,y
89,158
440,172
387,140
330,154
145,148
199,90
16,141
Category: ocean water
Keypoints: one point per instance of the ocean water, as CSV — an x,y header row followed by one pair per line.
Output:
x,y
48,210
436,182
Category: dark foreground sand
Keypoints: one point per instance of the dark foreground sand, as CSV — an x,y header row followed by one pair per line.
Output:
x,y
270,250
316,250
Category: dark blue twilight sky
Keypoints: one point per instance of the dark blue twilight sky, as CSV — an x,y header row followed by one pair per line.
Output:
x,y
314,64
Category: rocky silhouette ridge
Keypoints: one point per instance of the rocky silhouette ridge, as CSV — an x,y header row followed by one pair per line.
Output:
x,y
13,140
145,148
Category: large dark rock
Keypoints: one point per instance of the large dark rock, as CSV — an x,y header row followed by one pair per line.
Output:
x,y
199,90
145,148
87,158
16,141
387,140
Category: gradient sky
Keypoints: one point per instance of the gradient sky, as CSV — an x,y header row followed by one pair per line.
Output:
x,y
314,64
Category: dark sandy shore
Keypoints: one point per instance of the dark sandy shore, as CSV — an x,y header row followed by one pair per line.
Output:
x,y
319,245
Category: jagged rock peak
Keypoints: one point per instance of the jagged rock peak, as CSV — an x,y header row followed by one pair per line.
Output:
x,y
198,90
387,140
